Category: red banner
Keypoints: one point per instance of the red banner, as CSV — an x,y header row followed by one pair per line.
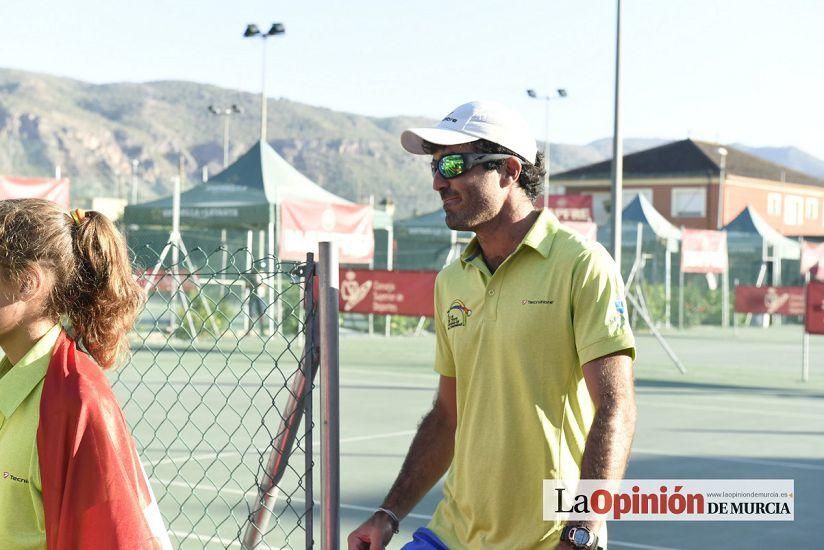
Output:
x,y
814,320
56,190
387,292
781,300
304,224
572,208
812,259
703,251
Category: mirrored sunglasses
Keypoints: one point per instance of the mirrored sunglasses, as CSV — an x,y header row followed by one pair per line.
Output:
x,y
453,165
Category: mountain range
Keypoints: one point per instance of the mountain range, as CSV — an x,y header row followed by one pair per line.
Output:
x,y
93,132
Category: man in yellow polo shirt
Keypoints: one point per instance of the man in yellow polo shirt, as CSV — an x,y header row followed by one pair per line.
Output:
x,y
22,522
534,351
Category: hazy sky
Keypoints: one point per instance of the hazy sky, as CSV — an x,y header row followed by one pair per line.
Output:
x,y
726,70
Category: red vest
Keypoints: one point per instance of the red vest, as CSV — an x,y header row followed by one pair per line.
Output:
x,y
95,493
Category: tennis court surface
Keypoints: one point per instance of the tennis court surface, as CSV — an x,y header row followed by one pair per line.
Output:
x,y
741,411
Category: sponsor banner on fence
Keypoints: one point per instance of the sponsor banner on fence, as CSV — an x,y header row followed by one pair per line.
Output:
x,y
387,292
670,500
703,251
305,224
781,300
569,208
814,318
56,190
812,259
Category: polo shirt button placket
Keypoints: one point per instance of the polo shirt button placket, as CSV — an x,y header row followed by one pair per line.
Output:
x,y
491,304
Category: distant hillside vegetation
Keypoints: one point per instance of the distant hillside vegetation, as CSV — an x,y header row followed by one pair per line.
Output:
x,y
94,131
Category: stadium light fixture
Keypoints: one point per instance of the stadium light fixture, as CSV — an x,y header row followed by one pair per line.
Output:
x,y
251,32
560,93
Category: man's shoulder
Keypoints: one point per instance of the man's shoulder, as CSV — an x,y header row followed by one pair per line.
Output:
x,y
450,272
569,245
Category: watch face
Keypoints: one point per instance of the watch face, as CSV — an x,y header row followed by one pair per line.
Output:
x,y
580,537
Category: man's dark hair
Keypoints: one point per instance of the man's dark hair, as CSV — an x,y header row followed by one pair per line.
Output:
x,y
532,174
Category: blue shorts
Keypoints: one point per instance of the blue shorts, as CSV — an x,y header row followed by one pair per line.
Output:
x,y
424,539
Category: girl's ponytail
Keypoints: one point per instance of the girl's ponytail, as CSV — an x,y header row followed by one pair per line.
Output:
x,y
102,298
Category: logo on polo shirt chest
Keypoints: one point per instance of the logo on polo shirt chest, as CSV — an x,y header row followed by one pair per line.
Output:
x,y
11,477
526,302
457,314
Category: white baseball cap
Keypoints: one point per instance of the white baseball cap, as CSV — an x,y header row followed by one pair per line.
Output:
x,y
472,121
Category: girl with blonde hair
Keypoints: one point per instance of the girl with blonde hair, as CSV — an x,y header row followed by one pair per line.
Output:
x,y
72,478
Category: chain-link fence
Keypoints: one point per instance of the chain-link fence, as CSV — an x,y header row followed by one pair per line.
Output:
x,y
218,395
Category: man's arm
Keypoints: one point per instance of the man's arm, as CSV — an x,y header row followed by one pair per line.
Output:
x,y
610,384
427,460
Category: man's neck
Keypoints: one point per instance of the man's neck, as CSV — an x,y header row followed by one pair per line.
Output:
x,y
499,237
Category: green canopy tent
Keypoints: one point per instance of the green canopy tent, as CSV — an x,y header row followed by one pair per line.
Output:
x,y
246,196
253,195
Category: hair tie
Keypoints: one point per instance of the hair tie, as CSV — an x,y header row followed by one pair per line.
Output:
x,y
78,215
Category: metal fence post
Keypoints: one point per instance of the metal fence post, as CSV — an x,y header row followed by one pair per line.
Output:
x,y
311,347
330,407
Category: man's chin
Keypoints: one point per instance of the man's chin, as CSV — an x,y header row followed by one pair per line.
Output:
x,y
456,224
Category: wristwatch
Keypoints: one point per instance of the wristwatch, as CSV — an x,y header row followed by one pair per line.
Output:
x,y
579,537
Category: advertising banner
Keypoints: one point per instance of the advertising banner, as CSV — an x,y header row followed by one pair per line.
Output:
x,y
814,319
56,190
812,259
387,292
703,251
305,224
781,300
572,208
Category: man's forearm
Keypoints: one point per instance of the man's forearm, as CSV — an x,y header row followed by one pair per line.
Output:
x,y
427,460
609,442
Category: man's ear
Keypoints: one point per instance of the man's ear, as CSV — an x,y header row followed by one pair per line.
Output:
x,y
512,169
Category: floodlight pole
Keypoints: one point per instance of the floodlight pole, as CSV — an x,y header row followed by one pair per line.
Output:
x,y
252,30
135,166
263,114
617,150
561,93
722,176
225,112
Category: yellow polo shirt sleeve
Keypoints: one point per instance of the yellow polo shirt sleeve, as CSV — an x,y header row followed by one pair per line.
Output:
x,y
599,310
444,359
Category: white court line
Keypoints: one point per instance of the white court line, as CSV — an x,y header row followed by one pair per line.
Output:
x,y
238,492
347,370
743,460
376,436
214,539
208,456
636,545
764,411
187,457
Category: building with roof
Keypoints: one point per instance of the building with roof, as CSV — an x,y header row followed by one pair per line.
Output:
x,y
682,180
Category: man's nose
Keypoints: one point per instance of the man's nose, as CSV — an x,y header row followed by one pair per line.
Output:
x,y
438,182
